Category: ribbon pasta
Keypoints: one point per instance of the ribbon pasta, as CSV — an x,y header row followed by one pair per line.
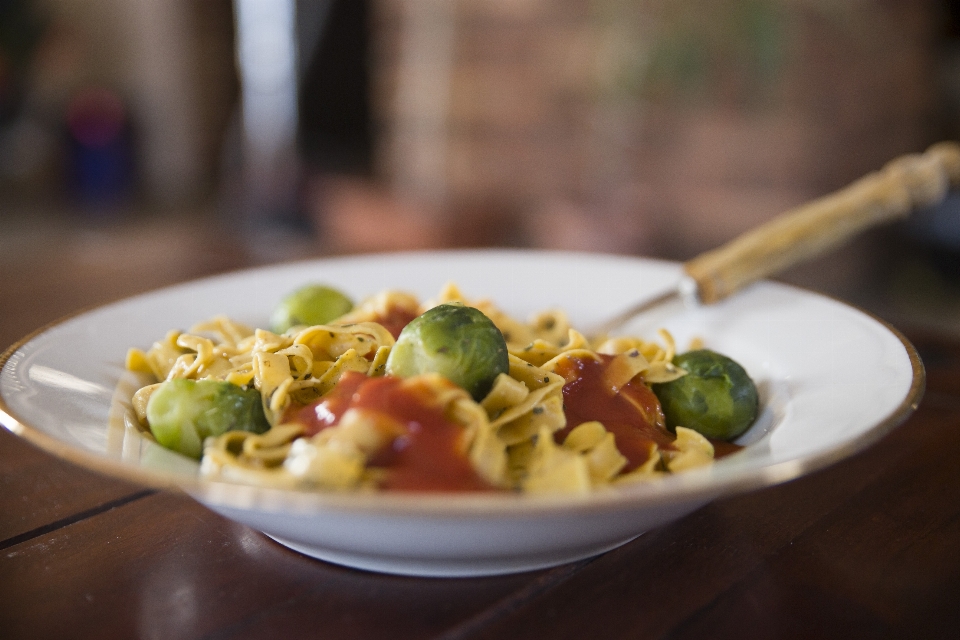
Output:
x,y
510,437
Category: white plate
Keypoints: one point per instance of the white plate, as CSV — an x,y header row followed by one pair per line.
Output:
x,y
832,380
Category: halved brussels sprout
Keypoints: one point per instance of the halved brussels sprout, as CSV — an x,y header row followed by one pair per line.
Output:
x,y
182,413
310,305
456,341
716,398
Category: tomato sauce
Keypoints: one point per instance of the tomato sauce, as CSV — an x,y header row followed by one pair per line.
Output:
x,y
396,319
425,457
633,415
722,448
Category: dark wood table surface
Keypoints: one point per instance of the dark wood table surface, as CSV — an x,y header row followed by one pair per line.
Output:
x,y
869,547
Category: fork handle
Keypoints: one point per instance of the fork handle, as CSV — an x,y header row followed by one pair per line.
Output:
x,y
906,183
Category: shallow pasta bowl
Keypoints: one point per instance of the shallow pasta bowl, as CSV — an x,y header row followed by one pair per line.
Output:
x,y
832,381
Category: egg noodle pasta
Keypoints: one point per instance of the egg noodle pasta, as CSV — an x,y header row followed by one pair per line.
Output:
x,y
335,419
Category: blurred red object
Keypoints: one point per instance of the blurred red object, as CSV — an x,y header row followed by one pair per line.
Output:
x,y
101,158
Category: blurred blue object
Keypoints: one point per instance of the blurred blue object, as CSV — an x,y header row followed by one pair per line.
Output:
x,y
100,148
937,230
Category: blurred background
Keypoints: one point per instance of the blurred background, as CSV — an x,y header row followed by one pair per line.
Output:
x,y
144,142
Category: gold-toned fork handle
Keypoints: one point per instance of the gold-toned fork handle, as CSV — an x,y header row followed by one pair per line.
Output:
x,y
907,183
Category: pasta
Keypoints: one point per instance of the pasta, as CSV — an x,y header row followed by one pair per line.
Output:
x,y
337,421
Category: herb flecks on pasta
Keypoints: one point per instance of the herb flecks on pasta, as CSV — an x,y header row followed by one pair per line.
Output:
x,y
556,413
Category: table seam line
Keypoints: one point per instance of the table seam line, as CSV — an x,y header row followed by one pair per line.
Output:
x,y
74,518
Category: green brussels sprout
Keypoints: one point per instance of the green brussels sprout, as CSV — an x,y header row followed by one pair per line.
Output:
x,y
716,398
309,305
182,413
456,341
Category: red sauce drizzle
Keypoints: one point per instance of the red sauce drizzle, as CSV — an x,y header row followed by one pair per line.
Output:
x,y
426,457
722,448
396,319
633,415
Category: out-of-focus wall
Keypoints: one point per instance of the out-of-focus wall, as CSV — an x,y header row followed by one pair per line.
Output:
x,y
649,126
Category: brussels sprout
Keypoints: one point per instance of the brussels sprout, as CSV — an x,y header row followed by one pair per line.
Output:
x,y
716,398
310,305
458,342
181,413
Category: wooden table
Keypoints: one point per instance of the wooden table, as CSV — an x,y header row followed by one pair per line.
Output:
x,y
867,548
